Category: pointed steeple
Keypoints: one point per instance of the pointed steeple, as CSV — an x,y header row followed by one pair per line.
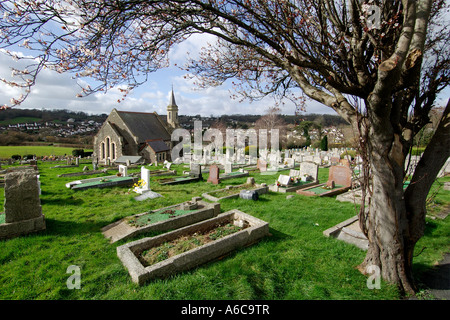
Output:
x,y
172,111
172,99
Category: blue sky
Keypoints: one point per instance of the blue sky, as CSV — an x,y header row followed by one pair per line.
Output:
x,y
58,91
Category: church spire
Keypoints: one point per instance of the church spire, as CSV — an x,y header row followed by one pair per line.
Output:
x,y
172,111
172,99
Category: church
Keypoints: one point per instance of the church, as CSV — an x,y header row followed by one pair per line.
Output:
x,y
126,133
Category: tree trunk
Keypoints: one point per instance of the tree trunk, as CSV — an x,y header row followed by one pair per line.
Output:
x,y
431,162
395,219
387,224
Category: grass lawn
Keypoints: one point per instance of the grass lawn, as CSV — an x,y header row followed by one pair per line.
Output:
x,y
7,151
295,262
20,120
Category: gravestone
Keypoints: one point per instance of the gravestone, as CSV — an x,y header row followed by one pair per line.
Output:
x,y
196,170
228,167
145,177
295,173
284,180
317,160
344,162
21,196
250,181
341,175
290,162
262,165
213,174
23,212
123,170
334,160
310,169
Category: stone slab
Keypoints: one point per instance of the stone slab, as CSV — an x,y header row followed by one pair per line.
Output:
x,y
123,230
128,253
349,232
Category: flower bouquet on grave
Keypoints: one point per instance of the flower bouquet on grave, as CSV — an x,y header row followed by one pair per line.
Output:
x,y
329,186
138,185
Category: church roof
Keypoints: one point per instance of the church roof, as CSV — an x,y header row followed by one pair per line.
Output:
x,y
158,145
145,126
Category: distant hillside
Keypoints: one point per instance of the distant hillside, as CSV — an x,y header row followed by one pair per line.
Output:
x,y
14,116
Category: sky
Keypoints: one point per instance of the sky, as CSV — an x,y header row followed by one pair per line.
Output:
x,y
58,91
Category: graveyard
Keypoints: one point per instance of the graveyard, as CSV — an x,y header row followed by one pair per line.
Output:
x,y
293,258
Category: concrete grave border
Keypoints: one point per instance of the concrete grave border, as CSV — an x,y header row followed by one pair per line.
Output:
x,y
208,211
128,253
261,189
20,228
344,232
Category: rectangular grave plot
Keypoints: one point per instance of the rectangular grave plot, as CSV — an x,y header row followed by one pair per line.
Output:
x,y
130,253
124,229
233,192
350,232
232,175
293,188
179,180
320,191
106,183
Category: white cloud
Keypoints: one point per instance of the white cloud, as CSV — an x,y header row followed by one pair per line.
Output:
x,y
58,91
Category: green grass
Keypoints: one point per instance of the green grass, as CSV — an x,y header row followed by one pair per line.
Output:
x,y
153,217
7,151
295,262
20,120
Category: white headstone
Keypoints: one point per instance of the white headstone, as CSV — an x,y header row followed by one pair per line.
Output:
x,y
309,168
123,170
145,177
284,180
294,173
290,162
228,167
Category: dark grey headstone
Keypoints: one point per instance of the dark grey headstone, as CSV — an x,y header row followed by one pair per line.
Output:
x,y
22,196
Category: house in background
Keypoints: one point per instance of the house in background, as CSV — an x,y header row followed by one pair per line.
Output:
x,y
143,134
